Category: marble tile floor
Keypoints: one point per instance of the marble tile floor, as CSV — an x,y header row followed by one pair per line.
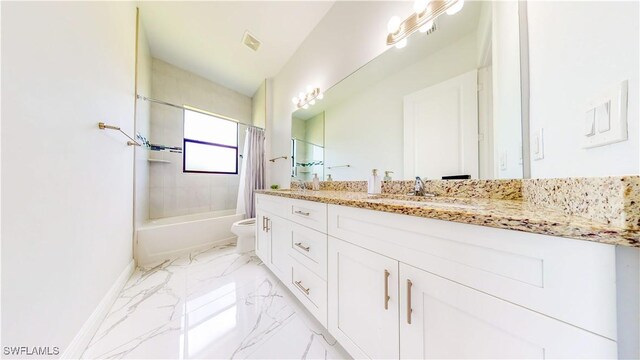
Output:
x,y
211,304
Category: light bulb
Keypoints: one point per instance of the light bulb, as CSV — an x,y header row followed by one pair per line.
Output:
x,y
402,43
455,8
294,100
419,6
393,26
320,96
312,102
305,106
301,96
426,27
309,88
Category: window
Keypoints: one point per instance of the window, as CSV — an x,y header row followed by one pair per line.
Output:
x,y
210,144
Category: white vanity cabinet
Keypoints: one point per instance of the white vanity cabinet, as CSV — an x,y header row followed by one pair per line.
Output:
x,y
291,240
396,286
443,319
363,301
474,292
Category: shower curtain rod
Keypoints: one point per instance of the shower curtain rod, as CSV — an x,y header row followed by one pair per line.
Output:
x,y
193,109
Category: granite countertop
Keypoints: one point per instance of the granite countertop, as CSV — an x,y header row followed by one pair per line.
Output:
x,y
504,214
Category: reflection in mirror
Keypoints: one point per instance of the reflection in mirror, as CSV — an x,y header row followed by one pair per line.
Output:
x,y
307,145
448,104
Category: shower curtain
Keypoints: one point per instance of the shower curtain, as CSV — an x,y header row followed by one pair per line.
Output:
x,y
253,174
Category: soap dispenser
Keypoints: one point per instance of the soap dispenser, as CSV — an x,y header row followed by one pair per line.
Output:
x,y
316,182
374,186
387,177
329,178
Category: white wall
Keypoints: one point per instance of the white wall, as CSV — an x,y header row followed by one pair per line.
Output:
x,y
335,48
142,126
507,123
357,129
172,192
67,187
577,50
259,106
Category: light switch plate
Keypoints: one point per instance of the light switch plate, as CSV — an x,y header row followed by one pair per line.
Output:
x,y
603,117
590,123
538,145
503,160
610,117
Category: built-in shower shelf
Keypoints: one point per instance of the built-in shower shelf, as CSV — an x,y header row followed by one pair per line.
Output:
x,y
159,161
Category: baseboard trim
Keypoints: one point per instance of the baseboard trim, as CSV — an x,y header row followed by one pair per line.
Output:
x,y
89,328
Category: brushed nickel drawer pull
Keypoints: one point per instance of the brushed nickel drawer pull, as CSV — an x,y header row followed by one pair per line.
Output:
x,y
301,213
268,224
409,309
386,289
299,285
305,248
264,226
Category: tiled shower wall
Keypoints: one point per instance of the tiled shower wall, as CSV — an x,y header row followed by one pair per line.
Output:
x,y
172,192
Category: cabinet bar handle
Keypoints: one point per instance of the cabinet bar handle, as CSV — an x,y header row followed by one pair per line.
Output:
x,y
386,289
305,248
301,213
264,227
409,309
268,224
299,285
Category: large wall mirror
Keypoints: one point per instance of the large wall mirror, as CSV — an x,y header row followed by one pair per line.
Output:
x,y
307,146
448,104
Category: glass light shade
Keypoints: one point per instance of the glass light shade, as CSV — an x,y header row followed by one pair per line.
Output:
x,y
294,100
393,26
419,6
320,96
312,102
455,8
301,96
426,27
402,43
306,106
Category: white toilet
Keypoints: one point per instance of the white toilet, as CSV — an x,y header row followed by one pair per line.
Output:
x,y
246,232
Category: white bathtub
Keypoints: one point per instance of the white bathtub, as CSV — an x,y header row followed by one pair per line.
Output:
x,y
170,237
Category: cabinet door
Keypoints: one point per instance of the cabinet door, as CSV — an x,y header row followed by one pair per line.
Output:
x,y
263,237
363,301
443,319
280,233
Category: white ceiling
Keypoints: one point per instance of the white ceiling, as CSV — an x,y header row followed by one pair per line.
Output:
x,y
205,38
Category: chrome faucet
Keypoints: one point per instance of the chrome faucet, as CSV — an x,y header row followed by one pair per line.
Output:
x,y
418,189
302,184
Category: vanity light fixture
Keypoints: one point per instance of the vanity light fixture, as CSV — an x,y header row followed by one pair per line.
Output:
x,y
422,19
303,101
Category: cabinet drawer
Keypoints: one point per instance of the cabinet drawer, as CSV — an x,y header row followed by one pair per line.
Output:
x,y
308,213
310,289
569,280
274,204
309,247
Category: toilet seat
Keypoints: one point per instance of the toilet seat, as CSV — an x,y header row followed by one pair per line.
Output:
x,y
246,222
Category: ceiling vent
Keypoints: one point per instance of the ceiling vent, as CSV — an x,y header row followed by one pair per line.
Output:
x,y
250,41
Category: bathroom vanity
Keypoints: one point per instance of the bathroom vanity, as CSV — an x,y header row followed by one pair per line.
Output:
x,y
390,279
